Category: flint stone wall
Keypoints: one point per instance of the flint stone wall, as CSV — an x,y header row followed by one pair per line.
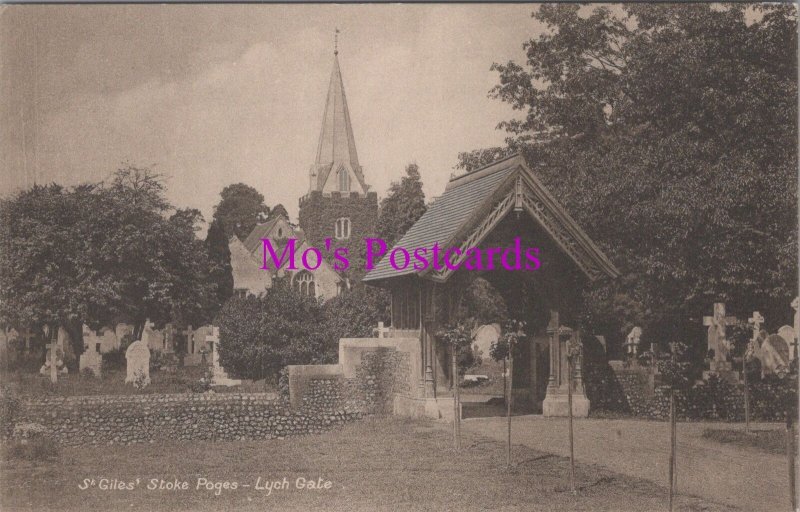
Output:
x,y
150,418
636,391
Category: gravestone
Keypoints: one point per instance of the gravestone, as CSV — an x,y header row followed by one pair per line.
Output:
x,y
774,356
381,331
485,335
721,365
153,337
54,364
219,375
632,342
789,335
92,359
138,362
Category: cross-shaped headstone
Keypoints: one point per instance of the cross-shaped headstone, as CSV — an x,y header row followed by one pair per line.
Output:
x,y
53,369
381,330
716,332
756,320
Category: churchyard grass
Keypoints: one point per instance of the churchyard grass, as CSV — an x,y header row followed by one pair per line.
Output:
x,y
376,464
30,384
770,441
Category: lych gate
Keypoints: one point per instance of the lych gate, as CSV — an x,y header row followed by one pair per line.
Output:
x,y
492,207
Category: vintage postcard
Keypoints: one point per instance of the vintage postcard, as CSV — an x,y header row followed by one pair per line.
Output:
x,y
399,257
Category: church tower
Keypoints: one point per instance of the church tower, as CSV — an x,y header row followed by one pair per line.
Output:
x,y
339,205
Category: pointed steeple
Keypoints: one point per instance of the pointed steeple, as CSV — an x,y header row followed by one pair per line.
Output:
x,y
336,150
336,141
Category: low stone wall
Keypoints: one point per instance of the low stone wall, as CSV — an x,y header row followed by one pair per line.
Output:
x,y
635,391
371,376
150,418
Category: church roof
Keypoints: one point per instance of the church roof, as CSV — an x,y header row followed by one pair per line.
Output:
x,y
263,230
460,216
337,145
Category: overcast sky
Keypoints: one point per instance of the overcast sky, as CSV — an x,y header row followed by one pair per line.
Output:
x,y
218,94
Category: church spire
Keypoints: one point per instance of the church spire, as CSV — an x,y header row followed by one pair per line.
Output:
x,y
337,146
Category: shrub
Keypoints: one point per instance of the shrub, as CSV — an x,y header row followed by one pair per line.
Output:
x,y
88,373
260,335
114,359
156,360
9,408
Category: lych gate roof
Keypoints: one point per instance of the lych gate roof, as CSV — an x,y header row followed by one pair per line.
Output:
x,y
473,204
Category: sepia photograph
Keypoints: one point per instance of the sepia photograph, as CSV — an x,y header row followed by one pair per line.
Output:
x,y
399,257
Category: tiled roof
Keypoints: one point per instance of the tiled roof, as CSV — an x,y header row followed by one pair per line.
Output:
x,y
260,231
444,217
464,203
253,240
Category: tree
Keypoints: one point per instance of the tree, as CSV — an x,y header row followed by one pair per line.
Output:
x,y
355,313
219,255
402,207
669,132
261,335
99,254
240,208
278,210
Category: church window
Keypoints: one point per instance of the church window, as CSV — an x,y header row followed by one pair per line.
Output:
x,y
240,292
343,228
280,232
344,180
304,284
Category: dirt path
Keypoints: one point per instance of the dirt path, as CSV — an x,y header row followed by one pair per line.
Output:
x,y
742,477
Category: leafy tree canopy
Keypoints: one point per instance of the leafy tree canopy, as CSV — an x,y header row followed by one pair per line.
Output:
x,y
99,254
261,335
402,207
219,255
670,133
240,208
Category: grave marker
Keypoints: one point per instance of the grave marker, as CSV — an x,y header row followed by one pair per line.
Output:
x,y
219,375
138,362
381,330
51,347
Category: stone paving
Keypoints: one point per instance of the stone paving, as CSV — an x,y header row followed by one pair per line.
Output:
x,y
742,477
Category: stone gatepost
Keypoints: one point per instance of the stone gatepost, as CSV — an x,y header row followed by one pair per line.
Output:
x,y
556,402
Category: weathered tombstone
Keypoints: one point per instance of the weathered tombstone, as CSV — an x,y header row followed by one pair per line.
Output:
x,y
485,335
788,333
51,364
719,344
153,337
219,375
92,359
138,363
774,356
632,342
381,331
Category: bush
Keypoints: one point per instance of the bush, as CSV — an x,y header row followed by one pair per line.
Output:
x,y
114,359
88,373
260,335
9,408
355,313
